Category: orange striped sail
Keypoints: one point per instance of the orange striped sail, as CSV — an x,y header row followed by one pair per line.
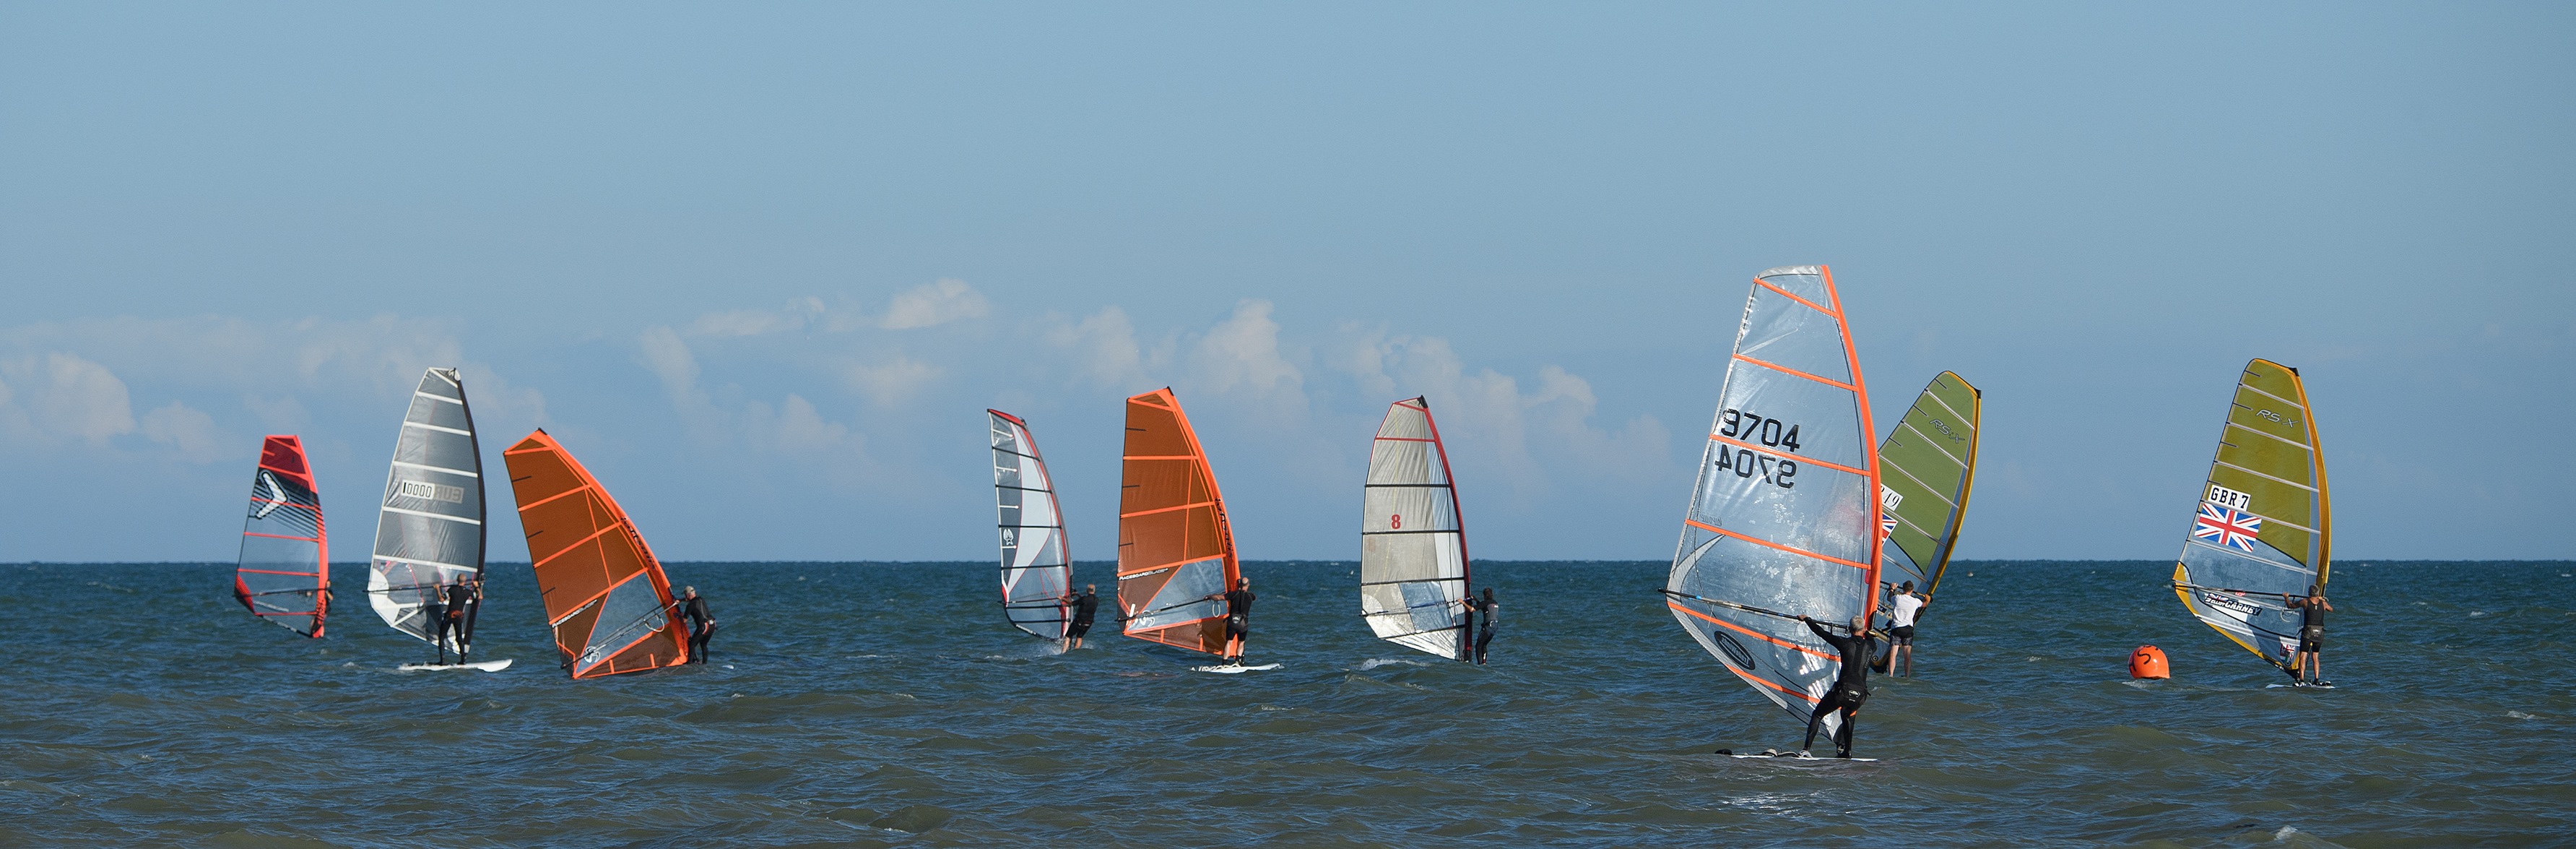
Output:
x,y
1174,547
1785,519
605,595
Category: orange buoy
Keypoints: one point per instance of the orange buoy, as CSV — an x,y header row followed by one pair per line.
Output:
x,y
2148,662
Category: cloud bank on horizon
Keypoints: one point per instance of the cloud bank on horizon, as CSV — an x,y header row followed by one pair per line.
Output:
x,y
762,270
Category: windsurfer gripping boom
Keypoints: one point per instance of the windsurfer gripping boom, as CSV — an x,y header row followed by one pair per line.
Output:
x,y
1851,688
1238,616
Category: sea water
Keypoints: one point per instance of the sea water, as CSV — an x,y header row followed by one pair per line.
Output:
x,y
889,705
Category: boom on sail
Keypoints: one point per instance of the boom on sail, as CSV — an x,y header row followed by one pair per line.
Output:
x,y
1413,544
1784,519
1037,567
285,571
605,595
1174,546
2262,528
429,530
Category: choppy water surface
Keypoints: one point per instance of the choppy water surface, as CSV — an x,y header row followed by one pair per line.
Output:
x,y
888,705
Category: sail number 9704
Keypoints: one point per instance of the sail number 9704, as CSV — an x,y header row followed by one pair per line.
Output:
x,y
1772,433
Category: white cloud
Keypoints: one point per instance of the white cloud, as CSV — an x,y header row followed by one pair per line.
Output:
x,y
891,383
69,397
934,304
796,315
1241,354
187,429
794,429
1488,418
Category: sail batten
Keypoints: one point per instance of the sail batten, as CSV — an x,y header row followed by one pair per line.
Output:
x,y
2263,527
1037,562
1175,545
1413,543
605,595
1783,520
429,526
284,573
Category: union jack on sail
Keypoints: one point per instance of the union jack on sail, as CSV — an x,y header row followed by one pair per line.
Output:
x,y
2227,526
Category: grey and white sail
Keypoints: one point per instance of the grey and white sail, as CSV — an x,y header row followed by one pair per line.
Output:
x,y
1784,521
429,532
1037,569
1413,548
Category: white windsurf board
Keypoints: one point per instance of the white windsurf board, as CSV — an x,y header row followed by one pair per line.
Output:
x,y
478,666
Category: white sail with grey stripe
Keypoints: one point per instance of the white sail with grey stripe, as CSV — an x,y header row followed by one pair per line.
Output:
x,y
429,531
1037,568
1413,547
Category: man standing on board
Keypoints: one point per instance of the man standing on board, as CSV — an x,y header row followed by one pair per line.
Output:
x,y
1900,628
2305,666
1484,633
453,616
1851,688
1084,606
701,623
1238,617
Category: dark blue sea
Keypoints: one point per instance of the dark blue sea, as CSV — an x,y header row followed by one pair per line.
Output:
x,y
861,704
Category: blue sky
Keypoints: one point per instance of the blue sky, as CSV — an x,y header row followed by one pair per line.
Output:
x,y
762,267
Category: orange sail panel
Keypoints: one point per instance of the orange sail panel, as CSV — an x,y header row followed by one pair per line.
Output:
x,y
1174,547
285,571
605,595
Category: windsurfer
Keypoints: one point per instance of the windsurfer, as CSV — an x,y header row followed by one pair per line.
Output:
x,y
452,616
1850,689
435,607
1900,628
1238,616
1484,632
702,624
2306,665
1084,607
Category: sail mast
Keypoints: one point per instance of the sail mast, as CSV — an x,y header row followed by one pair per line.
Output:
x,y
284,575
1175,547
1037,562
1413,542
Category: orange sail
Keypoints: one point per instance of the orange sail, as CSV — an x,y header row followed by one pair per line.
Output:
x,y
605,595
1174,547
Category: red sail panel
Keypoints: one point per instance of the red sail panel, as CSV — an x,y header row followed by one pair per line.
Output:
x,y
285,570
605,595
1174,546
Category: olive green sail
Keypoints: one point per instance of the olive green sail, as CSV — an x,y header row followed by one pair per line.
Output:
x,y
1929,461
2263,526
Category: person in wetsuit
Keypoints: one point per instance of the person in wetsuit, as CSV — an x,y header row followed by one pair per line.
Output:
x,y
1084,607
702,624
453,616
1484,632
1238,617
2307,666
1850,689
435,609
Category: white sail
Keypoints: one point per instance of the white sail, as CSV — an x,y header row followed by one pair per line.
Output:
x,y
1413,548
1784,520
1037,569
429,532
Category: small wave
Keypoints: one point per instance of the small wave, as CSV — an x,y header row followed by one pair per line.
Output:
x,y
2515,714
1375,662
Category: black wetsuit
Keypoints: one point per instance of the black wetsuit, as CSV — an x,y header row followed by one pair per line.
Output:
x,y
1238,614
1485,631
1850,689
436,609
1084,606
460,601
701,626
2312,625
